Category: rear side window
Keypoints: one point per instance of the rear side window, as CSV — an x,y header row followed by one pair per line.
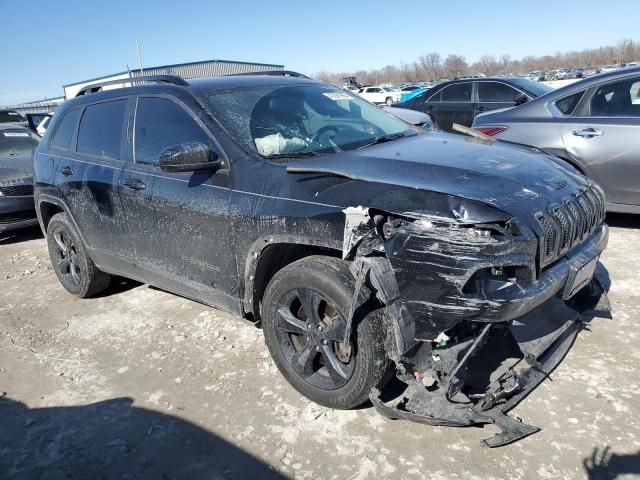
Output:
x,y
66,127
619,99
161,123
496,92
568,104
460,92
101,127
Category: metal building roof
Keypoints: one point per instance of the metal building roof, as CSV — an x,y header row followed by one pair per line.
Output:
x,y
205,68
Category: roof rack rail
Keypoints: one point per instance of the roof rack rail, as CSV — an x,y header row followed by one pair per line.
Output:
x,y
274,73
96,87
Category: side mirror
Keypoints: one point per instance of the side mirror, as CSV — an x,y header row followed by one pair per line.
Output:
x,y
189,157
520,99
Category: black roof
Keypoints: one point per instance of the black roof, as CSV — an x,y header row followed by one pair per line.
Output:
x,y
233,81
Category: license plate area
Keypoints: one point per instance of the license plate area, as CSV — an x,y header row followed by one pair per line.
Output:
x,y
579,277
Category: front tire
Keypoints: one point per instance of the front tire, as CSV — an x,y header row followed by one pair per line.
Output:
x,y
69,258
388,101
304,313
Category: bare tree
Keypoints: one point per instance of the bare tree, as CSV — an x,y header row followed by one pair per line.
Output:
x,y
432,67
455,66
487,65
626,50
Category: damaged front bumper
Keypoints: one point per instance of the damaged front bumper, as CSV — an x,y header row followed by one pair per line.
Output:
x,y
497,350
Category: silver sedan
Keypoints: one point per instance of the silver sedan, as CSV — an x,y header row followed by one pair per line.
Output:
x,y
594,124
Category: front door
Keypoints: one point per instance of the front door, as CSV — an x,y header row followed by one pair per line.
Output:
x,y
494,95
180,222
453,104
604,139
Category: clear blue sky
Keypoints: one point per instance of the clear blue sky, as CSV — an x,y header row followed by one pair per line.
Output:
x,y
47,44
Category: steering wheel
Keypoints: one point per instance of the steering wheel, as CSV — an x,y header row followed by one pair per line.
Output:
x,y
323,131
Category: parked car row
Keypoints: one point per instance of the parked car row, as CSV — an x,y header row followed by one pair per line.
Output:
x,y
458,101
574,73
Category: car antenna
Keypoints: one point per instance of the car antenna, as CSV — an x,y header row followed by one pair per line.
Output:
x,y
139,57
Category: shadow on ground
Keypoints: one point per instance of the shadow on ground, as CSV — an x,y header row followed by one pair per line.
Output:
x,y
623,220
118,285
21,235
114,439
604,465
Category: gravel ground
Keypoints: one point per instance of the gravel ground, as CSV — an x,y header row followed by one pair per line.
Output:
x,y
140,383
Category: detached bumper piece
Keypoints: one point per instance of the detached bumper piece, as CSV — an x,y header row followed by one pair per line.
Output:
x,y
478,380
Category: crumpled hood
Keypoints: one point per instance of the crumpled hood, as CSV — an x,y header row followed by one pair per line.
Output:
x,y
517,180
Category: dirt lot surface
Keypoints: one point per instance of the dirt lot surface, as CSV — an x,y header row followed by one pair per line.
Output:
x,y
140,383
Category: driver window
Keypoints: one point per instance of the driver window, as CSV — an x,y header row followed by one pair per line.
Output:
x,y
159,124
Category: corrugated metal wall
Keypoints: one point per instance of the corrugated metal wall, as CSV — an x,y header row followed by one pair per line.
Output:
x,y
208,69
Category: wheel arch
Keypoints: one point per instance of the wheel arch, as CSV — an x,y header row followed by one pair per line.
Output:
x,y
48,206
268,256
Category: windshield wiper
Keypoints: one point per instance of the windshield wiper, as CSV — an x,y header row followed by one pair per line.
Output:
x,y
382,139
291,155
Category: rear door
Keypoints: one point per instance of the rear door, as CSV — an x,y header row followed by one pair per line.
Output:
x,y
452,104
87,173
494,95
180,222
603,137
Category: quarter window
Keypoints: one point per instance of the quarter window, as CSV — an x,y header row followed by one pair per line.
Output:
x,y
66,127
101,127
568,104
160,124
460,92
496,92
619,99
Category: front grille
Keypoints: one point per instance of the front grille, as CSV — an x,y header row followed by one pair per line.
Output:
x,y
15,217
17,190
566,224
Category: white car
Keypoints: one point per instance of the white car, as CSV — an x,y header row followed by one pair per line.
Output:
x,y
42,126
379,95
413,117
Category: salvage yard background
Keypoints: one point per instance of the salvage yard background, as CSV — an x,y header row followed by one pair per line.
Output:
x,y
141,383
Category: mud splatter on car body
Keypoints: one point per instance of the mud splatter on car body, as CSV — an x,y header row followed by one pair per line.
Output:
x,y
473,247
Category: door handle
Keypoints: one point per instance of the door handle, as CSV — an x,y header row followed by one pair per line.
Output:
x,y
134,184
481,109
588,133
429,108
66,171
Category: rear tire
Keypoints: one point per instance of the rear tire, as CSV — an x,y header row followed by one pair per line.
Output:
x,y
388,101
304,313
70,260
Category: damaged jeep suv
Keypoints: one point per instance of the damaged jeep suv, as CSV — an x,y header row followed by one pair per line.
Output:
x,y
363,246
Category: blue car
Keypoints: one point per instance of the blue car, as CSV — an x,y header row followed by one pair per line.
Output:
x,y
410,91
